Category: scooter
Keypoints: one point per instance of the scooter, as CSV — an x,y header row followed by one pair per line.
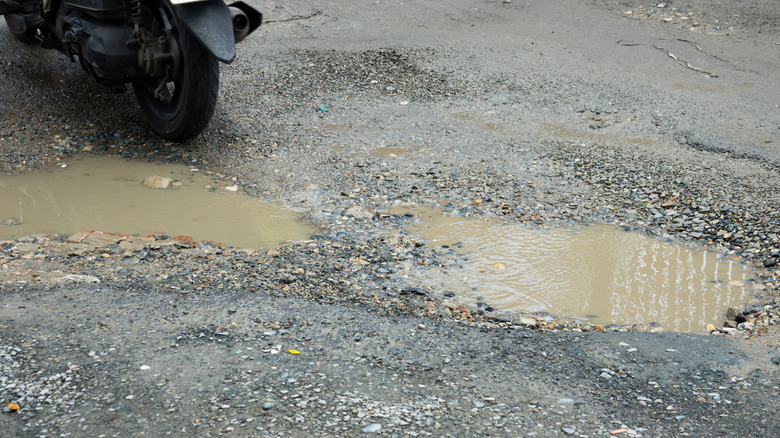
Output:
x,y
167,49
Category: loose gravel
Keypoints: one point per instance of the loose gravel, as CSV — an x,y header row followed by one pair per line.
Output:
x,y
106,335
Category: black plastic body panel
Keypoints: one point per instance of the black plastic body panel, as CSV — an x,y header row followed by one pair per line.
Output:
x,y
103,9
209,22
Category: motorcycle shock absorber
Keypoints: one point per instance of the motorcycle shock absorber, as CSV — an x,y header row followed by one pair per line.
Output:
x,y
136,12
139,27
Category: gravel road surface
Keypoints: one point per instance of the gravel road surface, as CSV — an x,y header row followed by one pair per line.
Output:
x,y
660,117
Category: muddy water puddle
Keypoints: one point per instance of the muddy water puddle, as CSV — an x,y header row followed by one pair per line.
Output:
x,y
107,194
49,79
597,272
392,151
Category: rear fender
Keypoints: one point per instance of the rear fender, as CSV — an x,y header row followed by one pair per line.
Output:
x,y
210,23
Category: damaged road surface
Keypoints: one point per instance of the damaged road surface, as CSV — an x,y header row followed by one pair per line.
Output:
x,y
258,365
660,118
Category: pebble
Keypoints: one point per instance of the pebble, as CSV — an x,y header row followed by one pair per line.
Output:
x,y
358,213
372,428
158,182
77,278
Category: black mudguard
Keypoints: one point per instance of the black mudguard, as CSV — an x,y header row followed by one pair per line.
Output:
x,y
209,22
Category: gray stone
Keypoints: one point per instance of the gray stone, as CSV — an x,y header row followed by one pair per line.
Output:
x,y
745,325
735,314
13,221
358,213
158,182
77,238
372,428
77,278
526,321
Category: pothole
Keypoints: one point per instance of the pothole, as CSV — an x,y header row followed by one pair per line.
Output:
x,y
108,194
388,151
599,272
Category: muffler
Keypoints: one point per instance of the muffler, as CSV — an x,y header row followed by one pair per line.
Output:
x,y
245,20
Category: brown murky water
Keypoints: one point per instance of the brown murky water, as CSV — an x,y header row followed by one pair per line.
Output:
x,y
600,272
393,151
107,194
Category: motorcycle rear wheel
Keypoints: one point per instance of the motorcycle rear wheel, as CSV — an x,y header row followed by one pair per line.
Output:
x,y
184,106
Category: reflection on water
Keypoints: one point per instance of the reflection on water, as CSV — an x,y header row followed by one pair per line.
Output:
x,y
107,194
615,276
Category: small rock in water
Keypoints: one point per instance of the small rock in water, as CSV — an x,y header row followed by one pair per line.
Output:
x,y
735,314
158,182
372,428
12,221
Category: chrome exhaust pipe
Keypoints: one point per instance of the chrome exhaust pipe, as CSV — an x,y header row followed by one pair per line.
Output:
x,y
240,23
245,19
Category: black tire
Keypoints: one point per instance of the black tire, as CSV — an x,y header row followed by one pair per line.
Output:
x,y
17,25
189,99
